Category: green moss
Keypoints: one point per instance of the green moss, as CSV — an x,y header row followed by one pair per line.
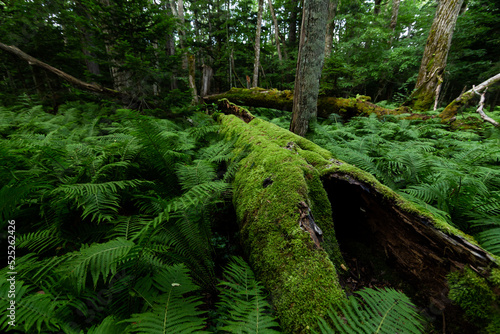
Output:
x,y
473,294
301,277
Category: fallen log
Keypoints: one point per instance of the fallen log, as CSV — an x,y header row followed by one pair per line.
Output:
x,y
452,108
295,203
283,100
125,98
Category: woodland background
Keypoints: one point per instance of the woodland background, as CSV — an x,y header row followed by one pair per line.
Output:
x,y
123,198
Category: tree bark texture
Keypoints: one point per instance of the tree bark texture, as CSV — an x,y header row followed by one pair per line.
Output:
x,y
297,205
309,64
256,48
330,26
435,54
395,12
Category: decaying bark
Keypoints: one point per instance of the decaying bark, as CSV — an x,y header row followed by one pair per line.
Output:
x,y
283,100
285,180
481,112
451,110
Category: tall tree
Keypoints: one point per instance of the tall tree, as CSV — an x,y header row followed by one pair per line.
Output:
x,y
276,30
309,64
430,75
330,26
256,62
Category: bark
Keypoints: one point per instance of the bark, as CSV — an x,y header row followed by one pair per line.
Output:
x,y
207,75
297,206
256,61
395,12
435,54
276,30
376,10
309,64
481,112
330,26
192,79
283,100
292,23
451,110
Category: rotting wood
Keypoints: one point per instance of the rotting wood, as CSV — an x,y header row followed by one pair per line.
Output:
x,y
274,190
283,100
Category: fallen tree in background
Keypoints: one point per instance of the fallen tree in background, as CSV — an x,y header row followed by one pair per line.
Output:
x,y
296,205
283,100
452,108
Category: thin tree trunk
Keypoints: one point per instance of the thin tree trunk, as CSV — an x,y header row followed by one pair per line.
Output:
x,y
292,23
435,54
207,74
191,78
376,10
395,12
256,61
276,30
309,64
330,26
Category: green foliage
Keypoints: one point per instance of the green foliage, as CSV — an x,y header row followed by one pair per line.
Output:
x,y
375,311
173,309
113,209
242,297
474,295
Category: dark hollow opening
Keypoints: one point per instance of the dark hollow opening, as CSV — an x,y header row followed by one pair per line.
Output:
x,y
385,247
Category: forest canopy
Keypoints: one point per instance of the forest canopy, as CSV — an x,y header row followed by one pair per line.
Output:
x,y
195,166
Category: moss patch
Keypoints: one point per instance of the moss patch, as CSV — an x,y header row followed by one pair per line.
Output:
x,y
474,294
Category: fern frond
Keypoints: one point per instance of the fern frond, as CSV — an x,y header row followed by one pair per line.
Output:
x,y
175,310
110,325
384,311
98,259
247,310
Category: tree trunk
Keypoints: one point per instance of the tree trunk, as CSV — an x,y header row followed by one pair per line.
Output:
x,y
395,12
286,184
276,30
292,23
207,75
376,10
192,79
330,26
451,109
309,64
256,60
435,54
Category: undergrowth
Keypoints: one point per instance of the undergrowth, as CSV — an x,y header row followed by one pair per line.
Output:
x,y
113,214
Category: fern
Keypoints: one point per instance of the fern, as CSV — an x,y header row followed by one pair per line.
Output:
x,y
247,310
376,311
174,310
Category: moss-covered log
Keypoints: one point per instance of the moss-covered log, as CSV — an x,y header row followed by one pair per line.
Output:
x,y
292,197
452,109
283,100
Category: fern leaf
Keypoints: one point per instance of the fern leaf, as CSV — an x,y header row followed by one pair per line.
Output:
x,y
244,300
98,259
385,311
173,311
